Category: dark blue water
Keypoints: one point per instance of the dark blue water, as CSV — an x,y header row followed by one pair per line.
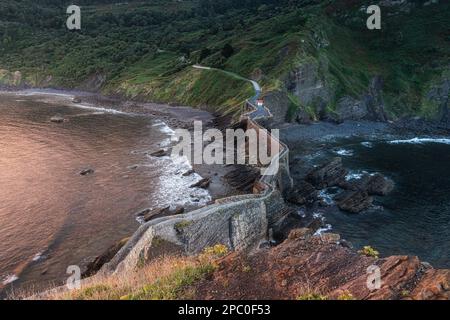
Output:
x,y
415,218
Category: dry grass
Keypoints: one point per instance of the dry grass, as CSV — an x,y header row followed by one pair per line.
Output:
x,y
165,278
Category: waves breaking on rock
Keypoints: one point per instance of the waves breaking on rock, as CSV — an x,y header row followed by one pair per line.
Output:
x,y
421,141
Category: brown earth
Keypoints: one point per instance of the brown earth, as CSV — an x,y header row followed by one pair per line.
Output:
x,y
306,264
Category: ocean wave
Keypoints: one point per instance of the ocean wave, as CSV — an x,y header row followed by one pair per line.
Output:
x,y
421,141
98,109
174,188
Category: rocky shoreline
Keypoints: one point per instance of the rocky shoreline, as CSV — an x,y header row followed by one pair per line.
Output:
x,y
355,196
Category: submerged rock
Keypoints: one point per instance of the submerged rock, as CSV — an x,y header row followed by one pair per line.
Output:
x,y
57,119
160,153
86,172
188,173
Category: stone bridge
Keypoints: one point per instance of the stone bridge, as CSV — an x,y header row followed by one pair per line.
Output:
x,y
239,222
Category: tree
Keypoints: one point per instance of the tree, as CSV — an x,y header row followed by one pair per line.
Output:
x,y
227,51
204,54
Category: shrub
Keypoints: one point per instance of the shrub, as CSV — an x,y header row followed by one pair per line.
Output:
x,y
312,296
369,252
346,295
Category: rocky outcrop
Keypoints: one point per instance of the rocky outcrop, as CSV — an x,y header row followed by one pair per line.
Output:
x,y
309,86
439,94
327,175
353,201
375,184
303,193
203,183
305,265
278,104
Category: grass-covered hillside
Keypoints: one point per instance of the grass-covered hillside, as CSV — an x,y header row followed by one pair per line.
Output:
x,y
145,49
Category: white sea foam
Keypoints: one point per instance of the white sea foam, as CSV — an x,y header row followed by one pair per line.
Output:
x,y
164,128
174,188
9,279
325,228
326,196
344,152
67,99
357,175
367,144
38,256
98,109
421,141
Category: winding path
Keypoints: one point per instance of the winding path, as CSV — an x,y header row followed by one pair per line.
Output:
x,y
260,111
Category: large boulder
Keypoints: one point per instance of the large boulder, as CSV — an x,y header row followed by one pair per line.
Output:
x,y
327,175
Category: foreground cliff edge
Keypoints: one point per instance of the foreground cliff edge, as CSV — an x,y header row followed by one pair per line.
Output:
x,y
303,267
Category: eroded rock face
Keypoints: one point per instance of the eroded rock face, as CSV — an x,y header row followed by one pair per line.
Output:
x,y
434,285
327,175
306,83
305,263
349,108
439,94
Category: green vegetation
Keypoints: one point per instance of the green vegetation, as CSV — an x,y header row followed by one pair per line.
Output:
x,y
173,286
145,49
346,296
369,252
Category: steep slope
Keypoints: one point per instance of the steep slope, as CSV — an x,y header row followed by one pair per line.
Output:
x,y
318,54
